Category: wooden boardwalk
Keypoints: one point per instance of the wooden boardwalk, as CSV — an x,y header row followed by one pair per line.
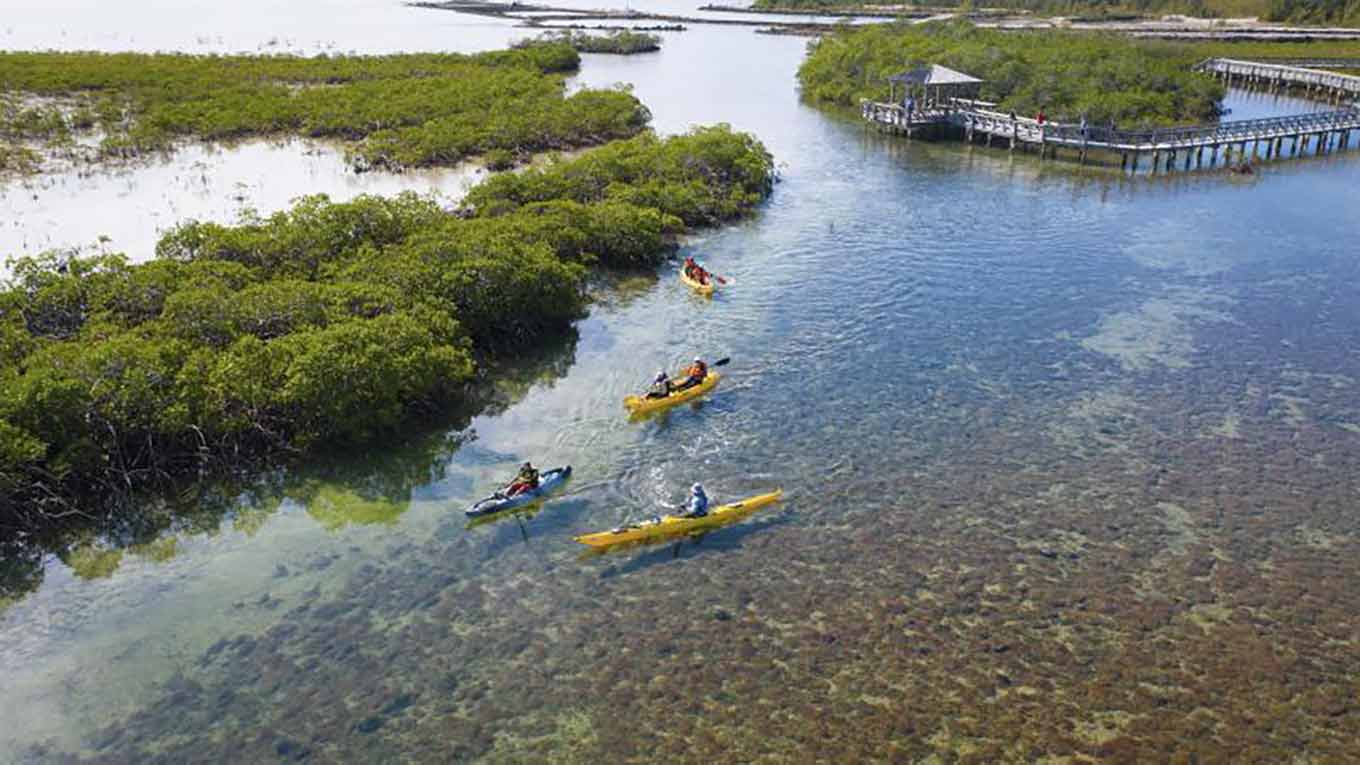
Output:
x,y
1271,138
1315,63
1318,84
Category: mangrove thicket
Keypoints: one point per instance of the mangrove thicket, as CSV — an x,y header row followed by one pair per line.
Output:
x,y
1329,12
393,111
1068,75
624,42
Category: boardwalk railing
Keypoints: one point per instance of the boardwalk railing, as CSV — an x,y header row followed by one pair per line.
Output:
x,y
1315,63
1341,86
1065,133
1324,130
973,118
895,115
1185,137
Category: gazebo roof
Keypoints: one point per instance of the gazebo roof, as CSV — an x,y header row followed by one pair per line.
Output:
x,y
934,74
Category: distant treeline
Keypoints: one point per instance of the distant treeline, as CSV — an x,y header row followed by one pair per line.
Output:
x,y
329,324
395,111
1328,12
1066,74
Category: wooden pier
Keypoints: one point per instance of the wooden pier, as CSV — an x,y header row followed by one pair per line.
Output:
x,y
1315,63
1317,84
1167,149
1200,146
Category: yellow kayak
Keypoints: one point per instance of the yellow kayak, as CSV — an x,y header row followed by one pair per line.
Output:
x,y
640,404
703,289
676,526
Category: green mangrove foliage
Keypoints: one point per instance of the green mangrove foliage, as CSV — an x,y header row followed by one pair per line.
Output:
x,y
1296,11
396,111
622,42
1268,50
1337,12
325,325
705,177
1328,12
1066,74
19,159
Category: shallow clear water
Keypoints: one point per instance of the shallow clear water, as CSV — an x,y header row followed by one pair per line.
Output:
x,y
247,26
132,206
1070,462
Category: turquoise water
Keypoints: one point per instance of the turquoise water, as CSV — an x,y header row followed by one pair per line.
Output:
x,y
1070,467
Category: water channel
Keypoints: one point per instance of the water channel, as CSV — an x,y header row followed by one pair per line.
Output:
x,y
1070,462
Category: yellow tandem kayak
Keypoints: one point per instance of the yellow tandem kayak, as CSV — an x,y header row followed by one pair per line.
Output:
x,y
668,526
640,404
703,289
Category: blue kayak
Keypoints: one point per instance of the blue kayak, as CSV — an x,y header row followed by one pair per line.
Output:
x,y
548,482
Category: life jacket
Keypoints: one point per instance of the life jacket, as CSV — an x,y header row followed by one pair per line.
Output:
x,y
698,504
697,371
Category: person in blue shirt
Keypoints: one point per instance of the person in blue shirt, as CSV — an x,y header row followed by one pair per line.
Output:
x,y
697,507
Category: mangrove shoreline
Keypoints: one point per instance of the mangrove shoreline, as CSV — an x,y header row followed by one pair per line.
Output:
x,y
327,326
391,112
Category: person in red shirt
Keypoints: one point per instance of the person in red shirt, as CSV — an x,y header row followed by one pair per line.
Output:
x,y
527,480
695,271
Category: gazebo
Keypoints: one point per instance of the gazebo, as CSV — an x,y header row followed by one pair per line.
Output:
x,y
936,84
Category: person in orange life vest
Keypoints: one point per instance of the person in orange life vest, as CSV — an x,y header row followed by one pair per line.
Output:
x,y
694,374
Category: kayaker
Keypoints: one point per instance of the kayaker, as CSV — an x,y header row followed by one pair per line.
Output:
x,y
695,373
526,480
698,502
695,271
661,385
